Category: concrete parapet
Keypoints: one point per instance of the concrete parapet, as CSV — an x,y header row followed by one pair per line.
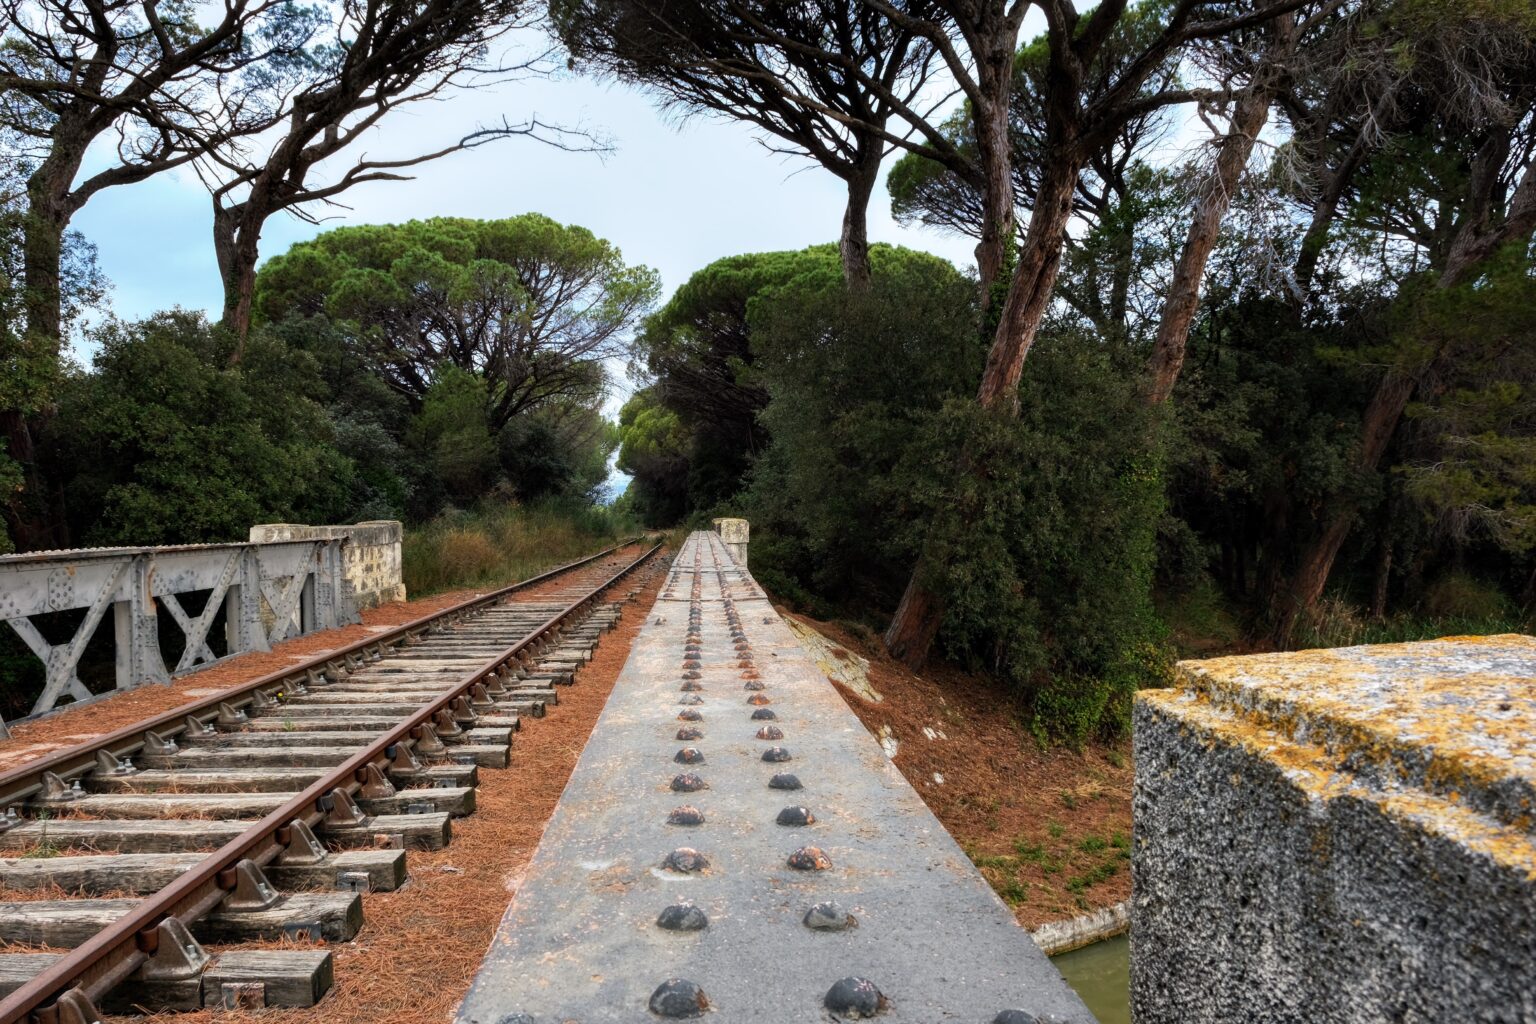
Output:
x,y
734,534
370,557
1339,836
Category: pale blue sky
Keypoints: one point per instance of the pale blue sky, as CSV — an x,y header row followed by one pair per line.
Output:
x,y
673,196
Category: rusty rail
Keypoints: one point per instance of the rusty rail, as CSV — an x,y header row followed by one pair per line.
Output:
x,y
112,955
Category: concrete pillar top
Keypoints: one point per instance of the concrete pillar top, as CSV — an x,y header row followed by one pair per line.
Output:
x,y
1453,718
732,531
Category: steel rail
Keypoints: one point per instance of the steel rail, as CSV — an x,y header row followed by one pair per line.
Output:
x,y
24,780
110,956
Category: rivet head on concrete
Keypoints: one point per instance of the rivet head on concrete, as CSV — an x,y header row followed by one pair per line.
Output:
x,y
682,917
517,1018
773,755
693,673
829,917
690,732
854,998
678,998
795,817
690,698
784,780
690,715
689,755
686,859
750,673
687,782
691,663
758,700
691,686
770,732
745,662
754,684
685,815
1016,1017
764,715
809,858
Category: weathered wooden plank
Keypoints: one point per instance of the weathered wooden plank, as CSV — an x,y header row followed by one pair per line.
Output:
x,y
145,873
292,977
458,801
171,805
386,870
392,709
415,832
320,723
307,738
253,757
337,916
63,924
16,969
172,836
251,780
129,872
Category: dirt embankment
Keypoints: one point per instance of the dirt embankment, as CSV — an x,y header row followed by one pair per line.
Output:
x,y
1050,829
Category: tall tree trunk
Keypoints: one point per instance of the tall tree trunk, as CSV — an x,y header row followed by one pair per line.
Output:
x,y
995,154
1183,299
1029,293
916,623
236,246
853,244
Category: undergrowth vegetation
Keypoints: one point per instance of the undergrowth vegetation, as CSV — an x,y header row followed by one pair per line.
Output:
x,y
496,544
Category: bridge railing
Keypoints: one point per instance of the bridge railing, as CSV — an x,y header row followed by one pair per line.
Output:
x,y
267,593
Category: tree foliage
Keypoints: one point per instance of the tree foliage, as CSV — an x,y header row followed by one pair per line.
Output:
x,y
529,305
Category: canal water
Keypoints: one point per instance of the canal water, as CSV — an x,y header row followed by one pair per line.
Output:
x,y
1101,976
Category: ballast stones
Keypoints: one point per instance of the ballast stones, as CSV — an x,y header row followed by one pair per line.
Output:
x,y
830,917
682,917
809,858
687,860
687,782
685,815
854,998
676,997
796,817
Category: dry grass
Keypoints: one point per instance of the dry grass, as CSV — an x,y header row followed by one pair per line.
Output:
x,y
503,542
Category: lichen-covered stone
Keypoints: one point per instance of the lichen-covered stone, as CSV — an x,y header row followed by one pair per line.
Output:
x,y
1339,837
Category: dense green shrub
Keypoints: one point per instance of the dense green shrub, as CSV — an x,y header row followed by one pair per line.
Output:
x,y
1043,528
165,442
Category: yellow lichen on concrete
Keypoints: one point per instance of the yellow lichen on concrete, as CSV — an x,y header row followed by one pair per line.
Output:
x,y
837,663
1451,716
1315,774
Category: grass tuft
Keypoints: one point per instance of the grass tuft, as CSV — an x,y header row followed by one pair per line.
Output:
x,y
497,544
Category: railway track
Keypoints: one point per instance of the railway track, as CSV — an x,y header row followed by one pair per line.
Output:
x,y
268,810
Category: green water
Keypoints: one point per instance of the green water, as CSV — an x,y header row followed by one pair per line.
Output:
x,y
1101,976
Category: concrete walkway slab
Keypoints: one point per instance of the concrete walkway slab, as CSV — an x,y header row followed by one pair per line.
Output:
x,y
582,942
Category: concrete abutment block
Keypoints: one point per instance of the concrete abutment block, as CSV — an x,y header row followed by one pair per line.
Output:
x,y
370,558
1339,836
